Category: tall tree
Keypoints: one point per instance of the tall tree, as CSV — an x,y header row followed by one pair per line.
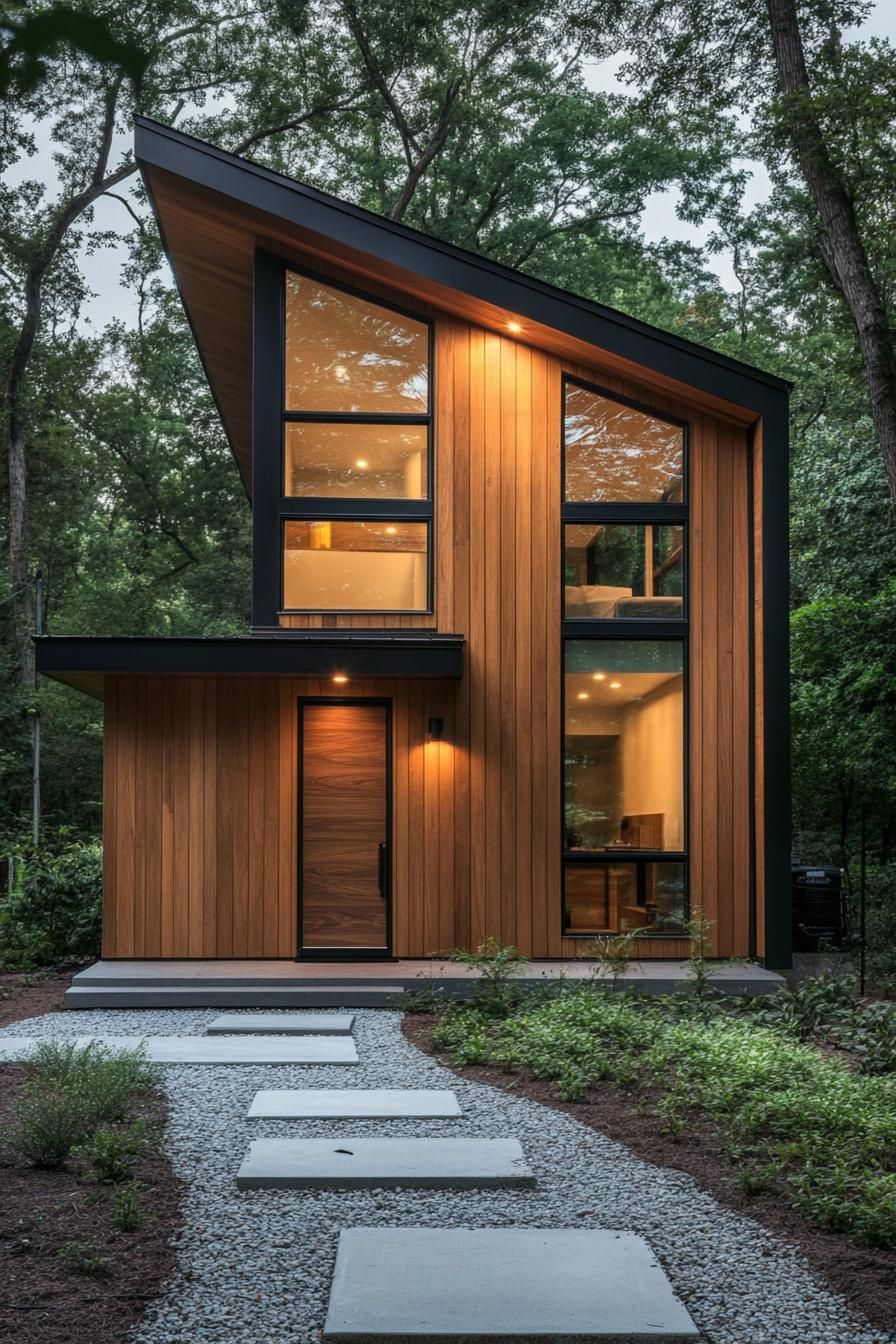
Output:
x,y
816,109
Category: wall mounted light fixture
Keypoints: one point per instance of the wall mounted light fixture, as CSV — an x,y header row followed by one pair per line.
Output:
x,y
435,728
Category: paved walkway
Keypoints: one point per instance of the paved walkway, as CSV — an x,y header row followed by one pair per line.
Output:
x,y
255,1267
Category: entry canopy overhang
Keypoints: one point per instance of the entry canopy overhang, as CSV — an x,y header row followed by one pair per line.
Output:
x,y
215,210
420,654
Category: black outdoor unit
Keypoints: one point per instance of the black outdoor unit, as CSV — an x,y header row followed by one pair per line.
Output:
x,y
817,909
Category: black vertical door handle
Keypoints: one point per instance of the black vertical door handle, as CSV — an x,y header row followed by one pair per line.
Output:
x,y
382,867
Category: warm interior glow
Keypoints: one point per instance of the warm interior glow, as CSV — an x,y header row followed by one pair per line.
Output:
x,y
615,685
361,462
354,460
599,676
583,695
354,565
346,353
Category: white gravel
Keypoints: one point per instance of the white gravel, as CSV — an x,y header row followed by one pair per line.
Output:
x,y
254,1267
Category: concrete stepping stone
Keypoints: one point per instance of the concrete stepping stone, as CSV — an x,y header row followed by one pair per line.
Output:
x,y
281,1024
207,1050
345,1164
520,1284
354,1103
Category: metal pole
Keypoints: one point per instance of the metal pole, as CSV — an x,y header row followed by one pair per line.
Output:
x,y
35,723
862,869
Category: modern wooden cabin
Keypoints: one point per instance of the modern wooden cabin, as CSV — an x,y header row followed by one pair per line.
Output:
x,y
518,656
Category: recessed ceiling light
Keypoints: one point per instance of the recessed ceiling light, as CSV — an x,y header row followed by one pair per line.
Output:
x,y
390,531
583,695
615,685
340,678
361,462
599,676
515,327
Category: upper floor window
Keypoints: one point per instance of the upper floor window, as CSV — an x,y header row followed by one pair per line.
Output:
x,y
348,354
357,452
615,453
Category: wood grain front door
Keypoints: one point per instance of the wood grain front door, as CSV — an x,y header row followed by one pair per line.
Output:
x,y
344,827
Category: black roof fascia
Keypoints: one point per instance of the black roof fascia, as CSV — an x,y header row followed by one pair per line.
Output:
x,y
307,653
467,272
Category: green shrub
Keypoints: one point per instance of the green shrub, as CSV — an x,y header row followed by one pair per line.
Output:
x,y
50,1121
67,1092
128,1214
84,1258
494,993
53,912
822,1132
111,1152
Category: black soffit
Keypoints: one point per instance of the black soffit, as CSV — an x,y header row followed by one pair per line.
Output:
x,y
311,653
466,272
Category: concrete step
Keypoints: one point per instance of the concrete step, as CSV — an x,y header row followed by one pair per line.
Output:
x,y
265,995
282,1024
206,1049
501,1284
354,1103
347,1164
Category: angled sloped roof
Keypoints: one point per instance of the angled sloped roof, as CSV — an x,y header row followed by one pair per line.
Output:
x,y
214,209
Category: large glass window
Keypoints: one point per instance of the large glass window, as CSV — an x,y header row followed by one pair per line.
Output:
x,y
622,897
341,565
624,745
347,353
624,517
614,451
627,570
356,460
357,431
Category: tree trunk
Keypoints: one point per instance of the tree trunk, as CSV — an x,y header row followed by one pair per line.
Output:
x,y
841,244
23,626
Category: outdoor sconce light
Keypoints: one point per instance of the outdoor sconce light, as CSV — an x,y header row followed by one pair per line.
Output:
x,y
435,728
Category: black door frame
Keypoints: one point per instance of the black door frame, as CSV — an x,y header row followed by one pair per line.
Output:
x,y
342,953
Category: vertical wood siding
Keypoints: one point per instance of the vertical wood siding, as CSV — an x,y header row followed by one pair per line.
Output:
x,y
200,773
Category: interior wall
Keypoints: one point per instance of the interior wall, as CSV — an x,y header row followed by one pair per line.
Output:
x,y
652,758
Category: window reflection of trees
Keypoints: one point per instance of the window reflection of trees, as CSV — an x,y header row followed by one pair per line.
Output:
x,y
615,452
345,354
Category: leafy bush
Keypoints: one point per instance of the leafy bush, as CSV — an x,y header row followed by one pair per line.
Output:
x,y
497,964
111,1152
53,912
84,1258
69,1090
128,1213
786,1113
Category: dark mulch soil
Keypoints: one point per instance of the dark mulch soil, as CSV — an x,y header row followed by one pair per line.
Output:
x,y
42,1299
32,993
864,1276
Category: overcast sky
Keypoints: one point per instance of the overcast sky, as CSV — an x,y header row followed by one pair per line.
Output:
x,y
659,220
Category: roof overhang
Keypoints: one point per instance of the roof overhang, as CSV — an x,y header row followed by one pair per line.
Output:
x,y
214,210
417,654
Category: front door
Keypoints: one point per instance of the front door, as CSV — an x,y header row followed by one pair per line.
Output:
x,y
344,818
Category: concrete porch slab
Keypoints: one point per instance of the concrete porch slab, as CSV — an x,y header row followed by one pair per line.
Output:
x,y
205,1050
281,1024
346,1164
354,1103
520,1284
269,984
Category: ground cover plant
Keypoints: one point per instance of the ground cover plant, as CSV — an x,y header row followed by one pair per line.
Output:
x,y
813,1127
90,1200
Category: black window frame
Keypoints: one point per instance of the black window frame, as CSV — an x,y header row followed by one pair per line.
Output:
x,y
627,629
272,507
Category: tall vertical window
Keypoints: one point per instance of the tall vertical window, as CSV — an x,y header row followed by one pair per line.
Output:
x,y
357,509
625,666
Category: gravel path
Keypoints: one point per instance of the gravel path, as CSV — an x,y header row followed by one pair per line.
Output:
x,y
254,1267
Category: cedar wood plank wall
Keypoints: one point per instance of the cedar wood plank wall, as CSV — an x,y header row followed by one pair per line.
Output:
x,y
201,774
